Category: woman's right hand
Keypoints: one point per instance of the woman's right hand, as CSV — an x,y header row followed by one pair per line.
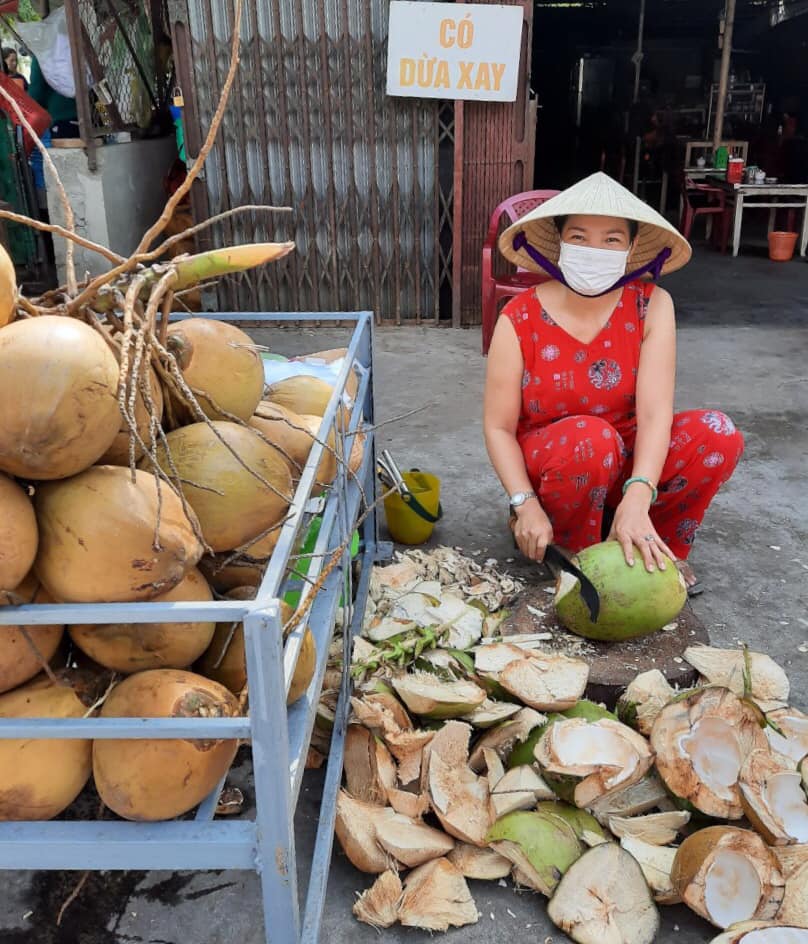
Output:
x,y
532,530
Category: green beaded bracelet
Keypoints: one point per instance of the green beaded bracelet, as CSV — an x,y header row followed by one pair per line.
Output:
x,y
645,481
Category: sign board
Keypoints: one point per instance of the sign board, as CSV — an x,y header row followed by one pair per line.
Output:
x,y
454,50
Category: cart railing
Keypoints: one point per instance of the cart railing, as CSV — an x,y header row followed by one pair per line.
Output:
x,y
279,735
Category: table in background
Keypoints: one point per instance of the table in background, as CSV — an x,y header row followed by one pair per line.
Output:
x,y
773,197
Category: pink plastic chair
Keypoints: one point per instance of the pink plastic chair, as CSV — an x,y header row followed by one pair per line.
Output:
x,y
497,287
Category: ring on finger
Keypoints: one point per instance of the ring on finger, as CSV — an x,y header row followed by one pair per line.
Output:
x,y
650,537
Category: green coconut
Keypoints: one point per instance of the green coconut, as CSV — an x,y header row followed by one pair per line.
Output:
x,y
633,602
541,847
583,822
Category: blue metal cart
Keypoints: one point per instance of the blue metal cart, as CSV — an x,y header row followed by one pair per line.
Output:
x,y
279,736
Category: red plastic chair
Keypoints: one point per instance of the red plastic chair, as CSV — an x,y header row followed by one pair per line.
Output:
x,y
496,287
704,200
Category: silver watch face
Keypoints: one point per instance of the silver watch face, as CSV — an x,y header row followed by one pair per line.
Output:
x,y
519,499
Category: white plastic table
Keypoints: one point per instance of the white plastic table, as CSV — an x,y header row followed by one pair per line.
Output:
x,y
765,196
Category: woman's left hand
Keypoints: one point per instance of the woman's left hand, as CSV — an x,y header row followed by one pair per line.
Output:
x,y
632,528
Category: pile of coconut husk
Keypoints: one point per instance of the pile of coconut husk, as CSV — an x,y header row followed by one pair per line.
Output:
x,y
470,756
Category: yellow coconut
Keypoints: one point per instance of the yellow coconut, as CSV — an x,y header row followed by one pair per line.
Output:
x,y
304,395
118,452
247,570
225,659
8,289
58,397
220,364
40,778
135,647
151,779
98,533
328,464
23,649
232,504
18,533
328,357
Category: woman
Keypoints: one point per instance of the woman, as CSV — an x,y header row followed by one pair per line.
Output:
x,y
10,67
579,392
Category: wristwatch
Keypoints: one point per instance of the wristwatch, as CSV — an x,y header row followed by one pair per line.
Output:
x,y
517,500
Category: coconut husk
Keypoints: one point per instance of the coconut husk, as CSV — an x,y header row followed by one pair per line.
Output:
x,y
460,800
602,756
355,827
540,847
429,697
413,805
794,907
700,743
487,865
737,669
762,932
503,737
658,829
634,800
494,770
378,906
773,799
408,749
411,843
603,897
791,858
519,789
642,701
656,863
787,732
583,823
383,714
547,682
436,897
492,658
451,744
490,713
369,769
727,875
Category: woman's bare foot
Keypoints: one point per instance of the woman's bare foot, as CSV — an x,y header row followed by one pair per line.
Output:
x,y
694,587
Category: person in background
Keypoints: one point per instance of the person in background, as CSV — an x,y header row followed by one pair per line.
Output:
x,y
61,109
11,67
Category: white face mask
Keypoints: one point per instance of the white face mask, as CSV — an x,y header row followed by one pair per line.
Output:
x,y
591,271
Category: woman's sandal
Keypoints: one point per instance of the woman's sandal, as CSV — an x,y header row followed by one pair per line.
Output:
x,y
694,585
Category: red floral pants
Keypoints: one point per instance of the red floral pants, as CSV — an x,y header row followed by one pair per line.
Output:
x,y
578,465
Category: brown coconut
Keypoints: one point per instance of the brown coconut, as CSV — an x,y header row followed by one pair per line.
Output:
x,y
293,436
97,537
225,661
233,506
226,571
701,742
8,289
303,395
135,647
18,533
118,452
728,875
220,364
24,649
58,397
40,778
152,779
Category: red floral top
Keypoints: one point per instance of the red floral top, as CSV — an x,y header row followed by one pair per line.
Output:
x,y
564,377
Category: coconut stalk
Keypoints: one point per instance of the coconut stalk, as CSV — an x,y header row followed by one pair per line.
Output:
x,y
727,875
604,897
378,906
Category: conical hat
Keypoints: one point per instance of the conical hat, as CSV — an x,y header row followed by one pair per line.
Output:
x,y
597,195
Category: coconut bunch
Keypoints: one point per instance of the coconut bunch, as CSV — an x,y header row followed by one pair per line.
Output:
x,y
493,749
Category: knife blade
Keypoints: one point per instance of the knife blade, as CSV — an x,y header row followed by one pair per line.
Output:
x,y
556,561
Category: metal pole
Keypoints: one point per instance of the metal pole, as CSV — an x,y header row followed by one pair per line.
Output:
x,y
638,55
723,81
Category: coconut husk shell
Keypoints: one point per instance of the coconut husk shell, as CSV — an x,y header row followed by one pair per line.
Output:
x,y
731,726
794,908
378,906
19,536
696,857
790,737
791,858
604,897
657,829
369,769
451,744
546,682
413,805
220,364
656,863
135,647
436,897
97,537
762,772
41,778
460,800
68,380
151,779
647,794
355,828
24,649
486,865
232,505
644,699
411,843
762,932
504,737
729,668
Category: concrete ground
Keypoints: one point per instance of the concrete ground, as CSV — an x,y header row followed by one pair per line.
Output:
x,y
743,348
